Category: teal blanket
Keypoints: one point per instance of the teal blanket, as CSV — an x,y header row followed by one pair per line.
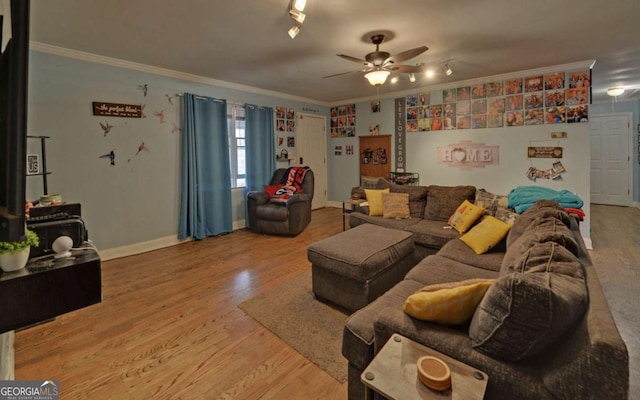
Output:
x,y
523,197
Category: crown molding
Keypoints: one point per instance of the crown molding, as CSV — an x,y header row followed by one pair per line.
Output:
x,y
115,62
587,64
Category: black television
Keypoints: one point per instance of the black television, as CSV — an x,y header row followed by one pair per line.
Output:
x,y
14,69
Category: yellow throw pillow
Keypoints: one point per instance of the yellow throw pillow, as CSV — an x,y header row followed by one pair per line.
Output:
x,y
395,205
465,216
451,303
374,198
488,233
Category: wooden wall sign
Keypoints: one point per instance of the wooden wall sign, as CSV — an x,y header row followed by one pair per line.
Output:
x,y
117,110
544,152
467,155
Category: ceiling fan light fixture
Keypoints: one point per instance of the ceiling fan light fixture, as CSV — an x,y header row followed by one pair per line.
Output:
x,y
293,32
299,4
377,78
447,70
615,91
298,16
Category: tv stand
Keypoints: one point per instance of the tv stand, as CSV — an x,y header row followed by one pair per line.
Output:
x,y
44,289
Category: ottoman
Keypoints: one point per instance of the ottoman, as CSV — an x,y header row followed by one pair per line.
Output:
x,y
353,268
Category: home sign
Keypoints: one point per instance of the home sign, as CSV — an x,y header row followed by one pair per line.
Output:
x,y
467,154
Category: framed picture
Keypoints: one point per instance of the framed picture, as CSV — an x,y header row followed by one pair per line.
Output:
x,y
33,164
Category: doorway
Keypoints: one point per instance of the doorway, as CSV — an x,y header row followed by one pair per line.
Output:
x,y
611,170
311,132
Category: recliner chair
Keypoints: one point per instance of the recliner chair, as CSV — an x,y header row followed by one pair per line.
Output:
x,y
286,219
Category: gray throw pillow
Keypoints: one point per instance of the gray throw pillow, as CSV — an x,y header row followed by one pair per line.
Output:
x,y
529,307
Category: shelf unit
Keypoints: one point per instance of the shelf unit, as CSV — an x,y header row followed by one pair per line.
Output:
x,y
404,178
43,162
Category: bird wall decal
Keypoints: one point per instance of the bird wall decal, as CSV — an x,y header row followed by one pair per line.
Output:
x,y
159,114
142,147
144,89
106,127
111,156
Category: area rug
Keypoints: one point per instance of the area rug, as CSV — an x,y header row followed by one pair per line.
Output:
x,y
312,328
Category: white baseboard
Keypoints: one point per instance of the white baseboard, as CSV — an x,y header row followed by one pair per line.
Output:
x,y
150,245
336,204
588,243
636,204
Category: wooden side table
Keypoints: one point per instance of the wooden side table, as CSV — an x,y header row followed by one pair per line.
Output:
x,y
348,206
394,374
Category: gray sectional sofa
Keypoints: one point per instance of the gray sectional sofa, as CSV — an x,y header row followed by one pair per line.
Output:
x,y
542,331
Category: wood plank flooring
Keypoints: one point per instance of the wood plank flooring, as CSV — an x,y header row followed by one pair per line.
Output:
x,y
169,326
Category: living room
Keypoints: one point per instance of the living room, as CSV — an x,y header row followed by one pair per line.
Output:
x,y
132,206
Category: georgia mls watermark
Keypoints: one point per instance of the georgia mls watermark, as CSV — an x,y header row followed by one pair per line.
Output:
x,y
29,390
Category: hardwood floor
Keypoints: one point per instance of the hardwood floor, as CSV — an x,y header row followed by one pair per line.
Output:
x,y
169,326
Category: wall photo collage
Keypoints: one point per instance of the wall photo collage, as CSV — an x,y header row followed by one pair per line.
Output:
x,y
343,121
535,100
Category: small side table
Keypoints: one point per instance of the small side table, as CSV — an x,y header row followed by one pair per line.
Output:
x,y
394,374
348,206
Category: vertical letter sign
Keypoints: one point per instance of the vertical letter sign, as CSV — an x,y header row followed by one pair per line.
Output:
x,y
400,104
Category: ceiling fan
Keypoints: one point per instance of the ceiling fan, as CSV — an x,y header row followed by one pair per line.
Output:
x,y
379,64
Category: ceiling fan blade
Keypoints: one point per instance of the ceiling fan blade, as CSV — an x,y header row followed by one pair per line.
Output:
x,y
406,69
406,55
346,73
354,59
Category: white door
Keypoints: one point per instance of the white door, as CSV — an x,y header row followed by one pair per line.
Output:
x,y
611,156
311,132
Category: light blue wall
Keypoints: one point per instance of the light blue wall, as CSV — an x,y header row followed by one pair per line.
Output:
x,y
510,173
631,106
136,200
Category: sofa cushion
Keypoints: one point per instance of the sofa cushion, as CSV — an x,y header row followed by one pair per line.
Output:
x,y
374,198
531,306
442,201
358,218
458,251
487,234
431,233
438,269
543,208
490,202
395,205
450,303
465,216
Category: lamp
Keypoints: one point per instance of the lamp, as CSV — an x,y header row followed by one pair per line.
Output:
x,y
447,70
293,32
298,16
615,91
377,78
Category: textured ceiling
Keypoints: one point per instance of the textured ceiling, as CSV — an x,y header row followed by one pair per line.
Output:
x,y
246,42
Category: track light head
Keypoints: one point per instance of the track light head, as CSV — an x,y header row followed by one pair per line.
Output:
x,y
412,77
293,32
298,16
447,70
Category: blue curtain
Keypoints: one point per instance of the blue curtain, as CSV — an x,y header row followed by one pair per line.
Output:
x,y
260,146
205,207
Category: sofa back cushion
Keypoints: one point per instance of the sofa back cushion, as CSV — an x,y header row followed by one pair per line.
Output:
x,y
417,196
442,201
531,305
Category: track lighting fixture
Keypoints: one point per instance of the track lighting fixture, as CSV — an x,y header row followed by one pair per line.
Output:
x,y
295,11
299,4
429,73
298,16
447,70
412,77
293,32
394,79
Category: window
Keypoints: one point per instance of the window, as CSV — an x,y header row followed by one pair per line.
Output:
x,y
235,118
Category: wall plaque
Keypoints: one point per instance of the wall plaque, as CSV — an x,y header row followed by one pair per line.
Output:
x,y
117,110
467,154
544,152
